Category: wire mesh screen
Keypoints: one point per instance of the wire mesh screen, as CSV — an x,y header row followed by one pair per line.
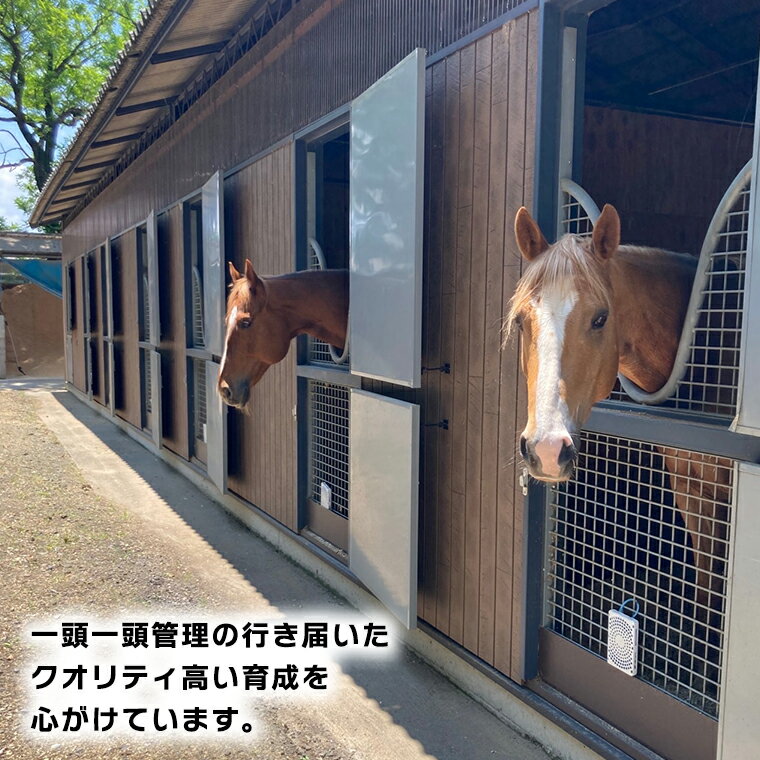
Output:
x,y
574,218
328,444
617,531
319,351
711,381
199,339
199,399
147,380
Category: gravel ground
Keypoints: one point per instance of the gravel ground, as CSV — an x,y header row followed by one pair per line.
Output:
x,y
62,547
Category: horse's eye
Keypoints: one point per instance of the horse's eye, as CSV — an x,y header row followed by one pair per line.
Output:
x,y
599,320
519,322
244,323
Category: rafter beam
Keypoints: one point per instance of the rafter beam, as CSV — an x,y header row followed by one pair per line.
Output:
x,y
189,52
146,106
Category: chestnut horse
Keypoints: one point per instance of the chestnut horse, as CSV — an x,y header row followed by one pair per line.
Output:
x,y
587,309
265,313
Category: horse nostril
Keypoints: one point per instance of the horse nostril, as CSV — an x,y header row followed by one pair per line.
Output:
x,y
224,389
524,446
567,454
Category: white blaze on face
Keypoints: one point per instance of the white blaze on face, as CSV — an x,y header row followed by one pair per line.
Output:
x,y
231,321
552,419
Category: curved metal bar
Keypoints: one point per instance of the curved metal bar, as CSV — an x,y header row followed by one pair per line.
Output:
x,y
697,296
334,355
585,201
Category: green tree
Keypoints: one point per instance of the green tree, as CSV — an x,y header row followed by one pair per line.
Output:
x,y
54,56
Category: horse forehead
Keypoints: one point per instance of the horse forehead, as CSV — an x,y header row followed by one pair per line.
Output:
x,y
232,316
554,305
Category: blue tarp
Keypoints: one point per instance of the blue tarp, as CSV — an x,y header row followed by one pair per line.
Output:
x,y
46,274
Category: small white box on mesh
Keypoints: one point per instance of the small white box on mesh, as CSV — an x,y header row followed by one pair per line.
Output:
x,y
622,642
325,495
204,433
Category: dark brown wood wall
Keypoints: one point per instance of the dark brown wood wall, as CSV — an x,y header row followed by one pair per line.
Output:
x,y
258,225
480,136
127,376
318,58
79,368
664,175
479,162
171,264
99,327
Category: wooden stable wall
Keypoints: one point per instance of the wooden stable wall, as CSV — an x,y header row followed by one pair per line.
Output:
x,y
126,351
479,163
79,369
262,446
665,175
171,277
98,327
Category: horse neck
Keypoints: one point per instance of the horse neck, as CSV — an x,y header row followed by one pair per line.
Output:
x,y
651,290
312,302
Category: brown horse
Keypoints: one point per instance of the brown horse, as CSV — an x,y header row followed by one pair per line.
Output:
x,y
265,313
589,308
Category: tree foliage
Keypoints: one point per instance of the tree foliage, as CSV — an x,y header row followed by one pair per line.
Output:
x,y
54,56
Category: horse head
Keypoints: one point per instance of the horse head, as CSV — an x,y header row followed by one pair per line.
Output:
x,y
563,306
256,337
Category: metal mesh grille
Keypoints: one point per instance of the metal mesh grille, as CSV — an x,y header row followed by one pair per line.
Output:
x,y
615,532
147,381
319,351
199,399
711,381
574,218
199,340
328,443
145,331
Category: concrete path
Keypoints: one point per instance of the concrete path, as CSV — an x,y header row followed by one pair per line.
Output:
x,y
400,711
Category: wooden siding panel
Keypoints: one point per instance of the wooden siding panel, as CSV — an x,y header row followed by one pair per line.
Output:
x,y
258,223
171,262
99,328
125,249
79,370
671,213
480,146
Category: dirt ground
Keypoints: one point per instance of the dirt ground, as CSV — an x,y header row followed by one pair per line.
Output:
x,y
34,328
63,547
151,544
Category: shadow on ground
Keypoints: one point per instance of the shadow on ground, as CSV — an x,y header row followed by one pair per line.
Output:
x,y
448,724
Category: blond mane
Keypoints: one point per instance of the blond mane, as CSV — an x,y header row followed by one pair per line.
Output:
x,y
568,263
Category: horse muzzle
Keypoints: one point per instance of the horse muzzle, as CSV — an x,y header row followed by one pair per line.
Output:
x,y
552,459
234,395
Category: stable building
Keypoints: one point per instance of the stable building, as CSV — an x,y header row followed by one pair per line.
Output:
x,y
279,131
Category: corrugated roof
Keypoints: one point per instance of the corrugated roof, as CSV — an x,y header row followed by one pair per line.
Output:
x,y
174,42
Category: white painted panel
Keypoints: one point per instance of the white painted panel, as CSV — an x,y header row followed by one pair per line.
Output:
x,y
216,430
739,732
153,289
748,414
386,204
383,499
212,213
155,398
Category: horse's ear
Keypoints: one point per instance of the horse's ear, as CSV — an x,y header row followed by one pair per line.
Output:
x,y
606,237
530,239
234,272
251,275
